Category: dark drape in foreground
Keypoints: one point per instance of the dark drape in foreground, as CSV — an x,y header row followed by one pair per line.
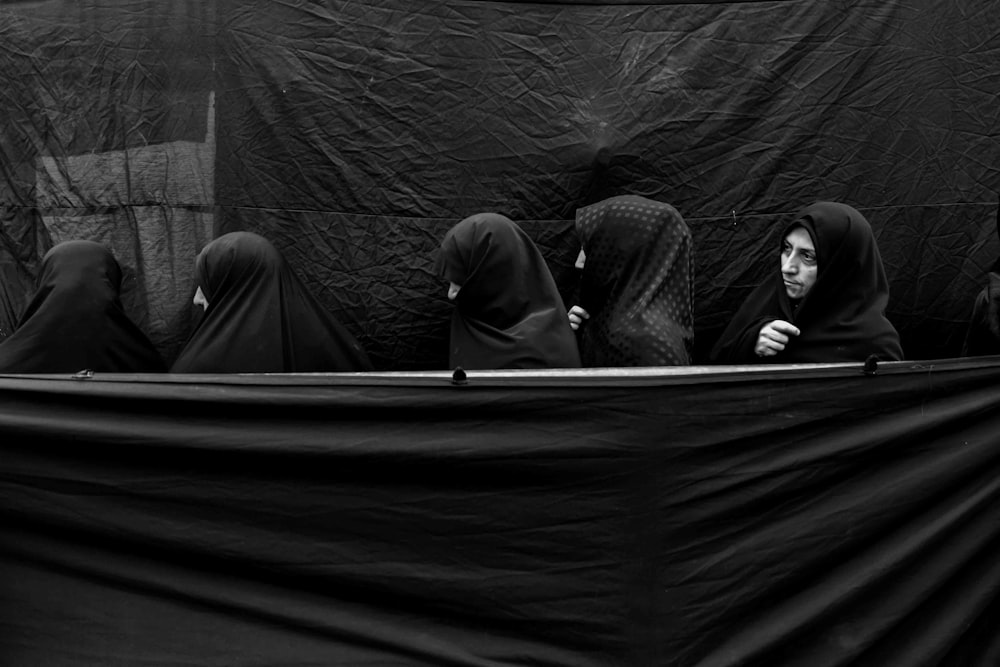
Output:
x,y
705,517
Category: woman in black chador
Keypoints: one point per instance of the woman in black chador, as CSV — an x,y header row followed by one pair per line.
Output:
x,y
259,318
508,312
75,320
983,334
825,304
635,294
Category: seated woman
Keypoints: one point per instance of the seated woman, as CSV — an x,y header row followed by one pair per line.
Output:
x,y
983,335
75,320
259,318
825,304
635,294
508,310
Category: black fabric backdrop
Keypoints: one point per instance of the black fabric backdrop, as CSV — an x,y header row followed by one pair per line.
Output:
x,y
354,134
787,516
767,517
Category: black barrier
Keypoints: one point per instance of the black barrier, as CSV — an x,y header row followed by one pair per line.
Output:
x,y
792,515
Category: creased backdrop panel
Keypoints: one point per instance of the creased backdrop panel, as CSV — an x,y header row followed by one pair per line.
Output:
x,y
109,133
308,117
746,106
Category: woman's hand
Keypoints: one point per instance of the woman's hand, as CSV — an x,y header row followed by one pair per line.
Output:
x,y
773,337
576,317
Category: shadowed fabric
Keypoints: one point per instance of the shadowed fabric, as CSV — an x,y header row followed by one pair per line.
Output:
x,y
509,313
842,318
791,517
75,319
636,285
260,318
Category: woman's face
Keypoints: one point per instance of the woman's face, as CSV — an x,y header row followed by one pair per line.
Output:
x,y
453,289
199,298
798,263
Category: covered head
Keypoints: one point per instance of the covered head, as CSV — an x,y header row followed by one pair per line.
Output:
x,y
508,312
75,319
636,283
260,318
983,334
842,317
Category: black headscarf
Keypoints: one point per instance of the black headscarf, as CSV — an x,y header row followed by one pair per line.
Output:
x,y
842,318
983,334
75,320
260,317
636,285
508,313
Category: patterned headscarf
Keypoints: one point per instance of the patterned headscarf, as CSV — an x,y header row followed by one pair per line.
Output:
x,y
637,284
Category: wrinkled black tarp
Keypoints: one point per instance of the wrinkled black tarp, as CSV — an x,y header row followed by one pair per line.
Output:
x,y
354,134
810,516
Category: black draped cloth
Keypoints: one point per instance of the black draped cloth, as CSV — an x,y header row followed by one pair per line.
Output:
x,y
75,320
842,318
260,318
779,516
509,313
636,284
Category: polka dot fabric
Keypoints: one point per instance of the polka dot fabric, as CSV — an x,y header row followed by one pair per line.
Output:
x,y
637,284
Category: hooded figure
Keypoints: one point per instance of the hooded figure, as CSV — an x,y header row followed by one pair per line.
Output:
x,y
983,335
260,318
841,316
636,287
75,320
508,312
